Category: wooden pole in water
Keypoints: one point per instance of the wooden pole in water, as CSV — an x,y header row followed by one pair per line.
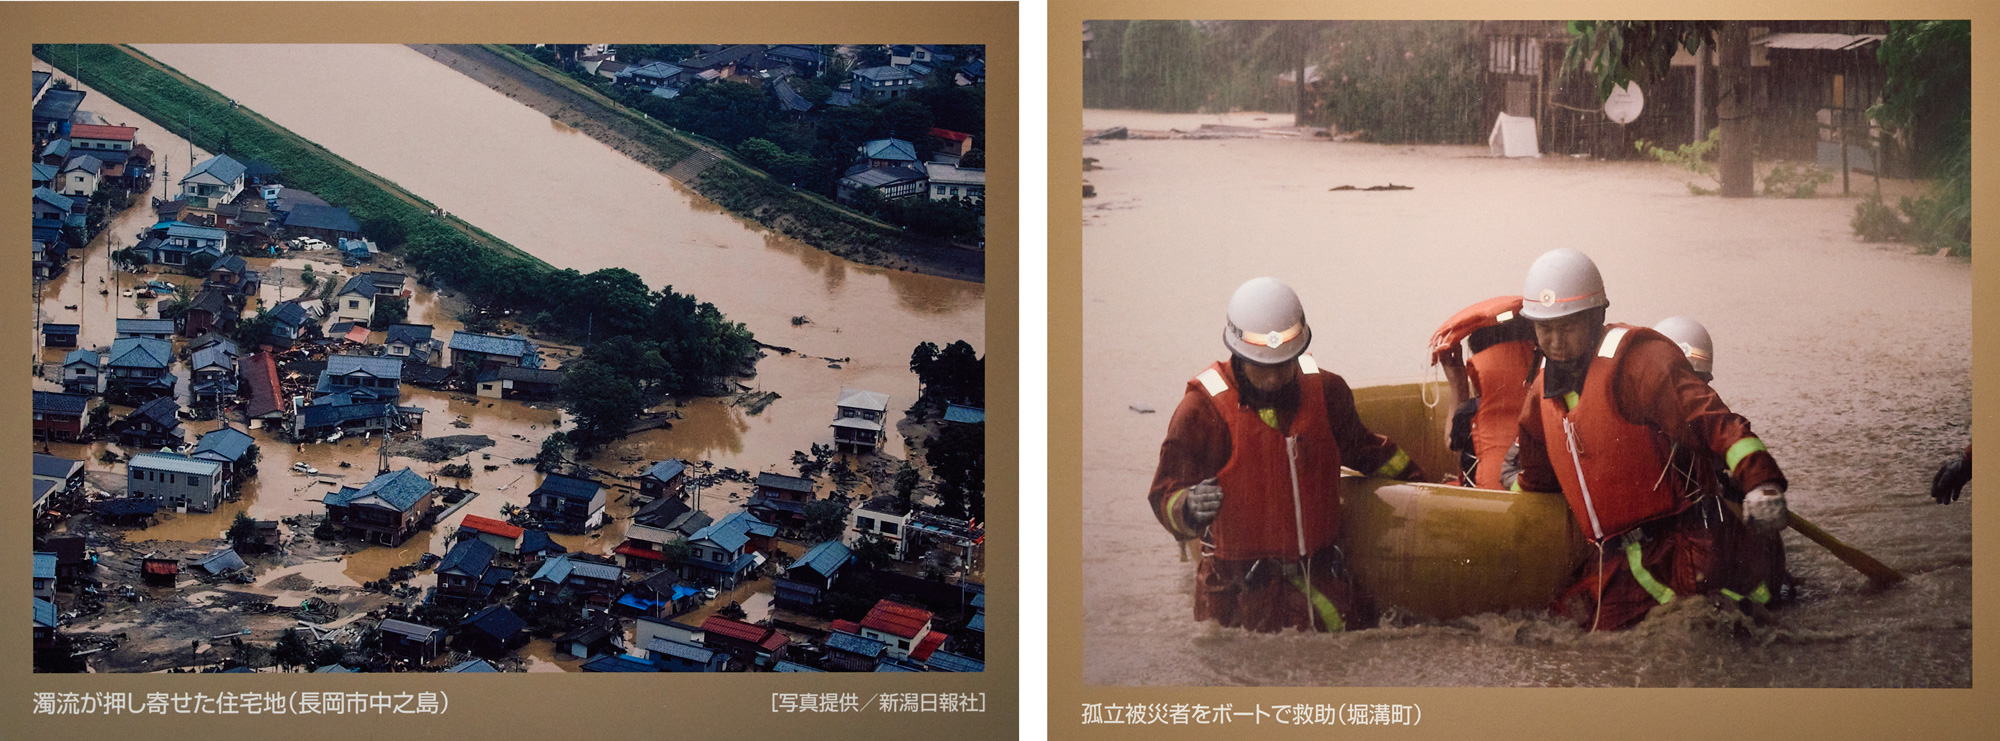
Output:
x,y
1878,573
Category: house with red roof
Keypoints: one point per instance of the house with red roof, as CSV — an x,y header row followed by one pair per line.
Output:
x,y
503,537
949,142
751,645
903,628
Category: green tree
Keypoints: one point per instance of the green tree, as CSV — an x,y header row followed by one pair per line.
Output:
x,y
243,535
554,448
1162,64
1618,52
957,455
200,262
633,53
907,119
1928,94
873,553
291,650
390,310
825,519
250,332
605,402
955,108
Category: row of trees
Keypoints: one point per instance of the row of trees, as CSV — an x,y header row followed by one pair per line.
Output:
x,y
1401,82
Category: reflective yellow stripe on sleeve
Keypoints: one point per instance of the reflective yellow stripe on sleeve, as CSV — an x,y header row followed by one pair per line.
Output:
x,y
1396,465
1742,449
1328,614
1173,506
1645,578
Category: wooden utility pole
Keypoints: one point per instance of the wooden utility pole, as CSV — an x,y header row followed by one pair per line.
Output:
x,y
1733,110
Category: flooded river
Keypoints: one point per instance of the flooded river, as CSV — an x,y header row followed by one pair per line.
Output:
x,y
1852,360
576,204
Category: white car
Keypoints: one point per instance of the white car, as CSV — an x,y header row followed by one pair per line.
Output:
x,y
303,468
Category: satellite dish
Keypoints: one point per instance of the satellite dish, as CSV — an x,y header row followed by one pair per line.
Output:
x,y
1625,103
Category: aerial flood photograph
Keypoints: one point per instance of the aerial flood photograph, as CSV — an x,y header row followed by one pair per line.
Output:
x,y
509,358
1552,353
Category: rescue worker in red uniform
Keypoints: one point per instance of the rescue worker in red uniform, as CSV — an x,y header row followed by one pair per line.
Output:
x,y
1251,469
1488,386
1758,557
1608,408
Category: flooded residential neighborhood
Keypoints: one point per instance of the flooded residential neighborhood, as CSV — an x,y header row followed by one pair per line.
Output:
x,y
278,430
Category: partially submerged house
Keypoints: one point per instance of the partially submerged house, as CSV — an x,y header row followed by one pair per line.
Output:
x,y
325,223
503,537
667,478
725,553
514,382
860,419
154,424
214,374
83,372
567,503
60,335
749,645
366,377
412,641
590,583
809,577
387,510
227,446
140,364
176,481
213,182
883,517
60,416
780,499
259,374
490,351
467,574
158,329
411,342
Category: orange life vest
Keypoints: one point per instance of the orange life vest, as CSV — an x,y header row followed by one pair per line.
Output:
x,y
1281,491
1610,468
1499,375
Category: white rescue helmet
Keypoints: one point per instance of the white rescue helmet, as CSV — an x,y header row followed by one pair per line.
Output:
x,y
1266,322
1694,342
1560,283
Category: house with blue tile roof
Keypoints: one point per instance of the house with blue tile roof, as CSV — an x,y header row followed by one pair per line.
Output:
x,y
387,510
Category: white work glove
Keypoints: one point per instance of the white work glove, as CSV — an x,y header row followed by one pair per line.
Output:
x,y
1764,509
1203,501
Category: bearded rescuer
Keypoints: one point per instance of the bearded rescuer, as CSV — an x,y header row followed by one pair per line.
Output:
x,y
1251,468
1608,408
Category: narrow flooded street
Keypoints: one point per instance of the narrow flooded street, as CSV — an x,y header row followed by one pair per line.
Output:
x,y
1852,360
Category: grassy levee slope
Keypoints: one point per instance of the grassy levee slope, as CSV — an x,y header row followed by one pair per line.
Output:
x,y
177,102
743,189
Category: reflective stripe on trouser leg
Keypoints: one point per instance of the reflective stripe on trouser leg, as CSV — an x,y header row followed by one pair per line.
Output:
x,y
1645,578
1761,595
1328,614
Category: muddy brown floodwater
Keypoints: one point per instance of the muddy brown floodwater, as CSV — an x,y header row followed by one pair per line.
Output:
x,y
568,200
1852,360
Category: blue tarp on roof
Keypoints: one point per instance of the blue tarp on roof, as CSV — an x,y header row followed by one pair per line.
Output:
x,y
964,414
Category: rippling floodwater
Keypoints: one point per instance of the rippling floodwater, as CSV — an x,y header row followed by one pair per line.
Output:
x,y
1852,360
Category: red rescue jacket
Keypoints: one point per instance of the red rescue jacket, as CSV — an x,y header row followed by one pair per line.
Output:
x,y
1498,373
1610,469
1281,490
